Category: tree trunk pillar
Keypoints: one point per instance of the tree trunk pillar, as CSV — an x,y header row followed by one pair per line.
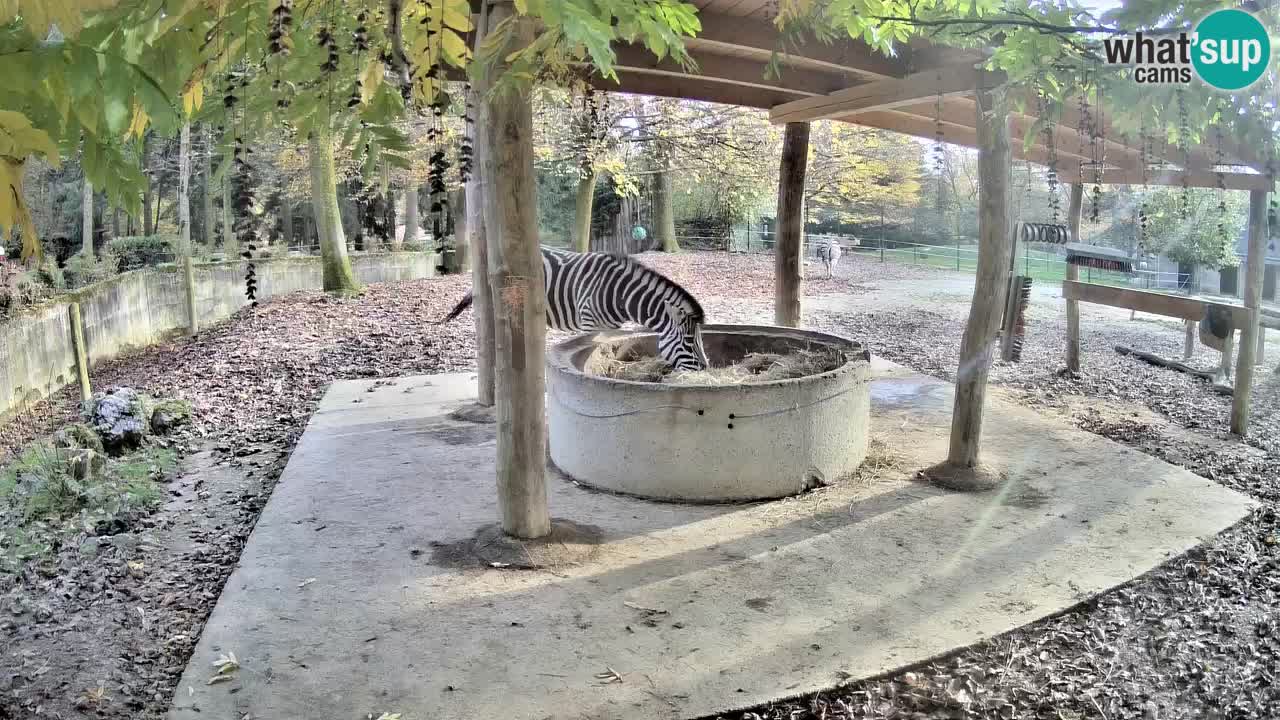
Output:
x,y
582,205
664,214
410,220
994,254
477,242
1249,334
338,275
184,189
520,323
86,206
1073,273
789,246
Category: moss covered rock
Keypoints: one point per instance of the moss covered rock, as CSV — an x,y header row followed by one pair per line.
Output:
x,y
169,414
78,436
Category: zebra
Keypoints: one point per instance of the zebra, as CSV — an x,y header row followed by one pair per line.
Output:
x,y
828,251
601,291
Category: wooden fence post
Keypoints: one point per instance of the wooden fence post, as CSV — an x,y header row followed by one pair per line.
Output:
x,y
519,300
1253,303
82,353
1189,342
1073,273
789,251
189,280
994,255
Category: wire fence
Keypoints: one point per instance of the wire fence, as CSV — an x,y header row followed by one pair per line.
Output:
x,y
1047,266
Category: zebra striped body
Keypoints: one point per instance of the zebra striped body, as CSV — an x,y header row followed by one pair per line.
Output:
x,y
597,291
828,251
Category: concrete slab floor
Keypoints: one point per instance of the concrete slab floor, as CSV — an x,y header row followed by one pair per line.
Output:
x,y
338,611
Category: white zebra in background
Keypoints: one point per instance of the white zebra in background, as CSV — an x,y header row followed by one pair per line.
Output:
x,y
599,291
828,251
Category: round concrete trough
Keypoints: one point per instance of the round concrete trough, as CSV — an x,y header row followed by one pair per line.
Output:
x,y
709,443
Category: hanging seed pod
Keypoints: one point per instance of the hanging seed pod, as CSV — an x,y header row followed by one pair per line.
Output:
x,y
1051,176
1184,149
360,36
326,40
229,98
939,155
278,41
466,149
248,213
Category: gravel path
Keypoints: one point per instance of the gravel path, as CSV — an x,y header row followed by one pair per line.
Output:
x,y
106,636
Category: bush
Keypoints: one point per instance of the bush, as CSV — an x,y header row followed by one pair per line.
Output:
x,y
82,270
139,251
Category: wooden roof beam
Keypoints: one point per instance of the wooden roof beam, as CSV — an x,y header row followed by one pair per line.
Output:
x,y
1175,178
693,87
747,37
880,95
745,72
963,111
956,134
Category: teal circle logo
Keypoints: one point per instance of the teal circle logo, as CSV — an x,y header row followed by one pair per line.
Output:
x,y
1231,49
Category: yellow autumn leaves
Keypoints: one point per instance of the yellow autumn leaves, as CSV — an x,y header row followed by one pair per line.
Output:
x,y
18,140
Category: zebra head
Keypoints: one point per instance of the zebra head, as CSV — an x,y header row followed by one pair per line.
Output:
x,y
680,342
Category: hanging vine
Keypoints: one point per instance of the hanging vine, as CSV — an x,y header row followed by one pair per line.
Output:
x,y
1045,111
1097,154
939,155
438,162
1143,217
1184,150
1218,161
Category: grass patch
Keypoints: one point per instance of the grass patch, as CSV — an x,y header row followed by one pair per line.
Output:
x,y
52,495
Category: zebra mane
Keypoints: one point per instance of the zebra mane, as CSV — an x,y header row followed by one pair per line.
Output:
x,y
697,314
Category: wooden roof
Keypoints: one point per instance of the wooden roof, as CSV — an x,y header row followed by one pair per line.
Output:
x,y
851,82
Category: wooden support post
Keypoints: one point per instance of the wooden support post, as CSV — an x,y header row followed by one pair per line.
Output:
x,y
519,308
994,255
189,281
1249,334
1073,273
82,354
1261,357
789,251
1189,342
477,247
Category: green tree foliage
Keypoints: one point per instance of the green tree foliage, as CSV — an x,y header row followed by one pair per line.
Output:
x,y
1207,235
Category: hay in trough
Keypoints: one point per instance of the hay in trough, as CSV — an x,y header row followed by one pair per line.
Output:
x,y
753,368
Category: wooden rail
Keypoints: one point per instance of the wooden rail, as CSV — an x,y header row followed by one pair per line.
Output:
x,y
1175,306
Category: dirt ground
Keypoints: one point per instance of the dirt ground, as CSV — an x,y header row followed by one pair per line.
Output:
x,y
105,629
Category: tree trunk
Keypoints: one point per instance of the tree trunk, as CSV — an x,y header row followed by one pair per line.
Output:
x,y
338,275
1073,273
994,254
664,216
582,210
1253,303
520,321
86,228
286,223
210,221
410,220
115,223
184,189
478,252
788,263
